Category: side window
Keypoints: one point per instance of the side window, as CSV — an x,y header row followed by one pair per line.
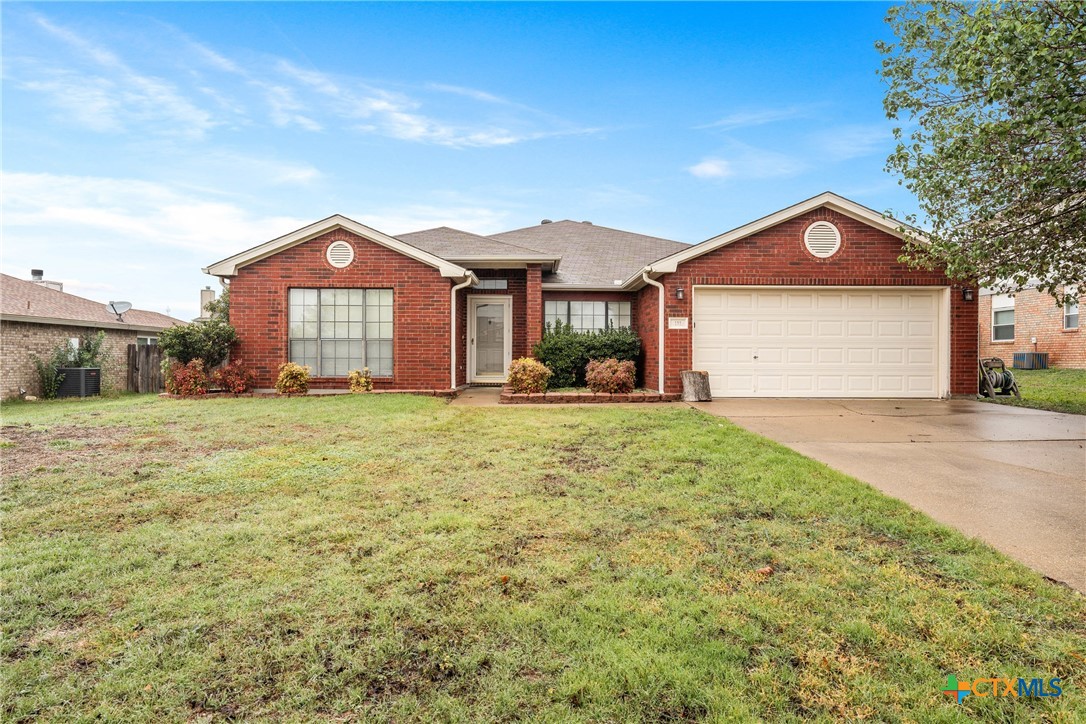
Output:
x,y
1002,317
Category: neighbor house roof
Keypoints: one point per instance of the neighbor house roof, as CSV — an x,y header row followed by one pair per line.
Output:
x,y
23,301
592,256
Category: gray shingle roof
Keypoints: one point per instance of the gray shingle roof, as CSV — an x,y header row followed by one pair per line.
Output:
x,y
23,299
591,254
451,243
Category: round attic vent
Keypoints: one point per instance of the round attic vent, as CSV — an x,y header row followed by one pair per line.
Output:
x,y
339,254
822,239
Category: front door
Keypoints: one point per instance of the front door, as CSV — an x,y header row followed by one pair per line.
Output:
x,y
490,337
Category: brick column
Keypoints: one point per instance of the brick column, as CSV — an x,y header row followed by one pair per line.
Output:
x,y
533,305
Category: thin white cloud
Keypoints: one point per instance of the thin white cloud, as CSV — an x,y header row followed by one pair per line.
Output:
x,y
744,162
473,93
749,118
853,141
711,168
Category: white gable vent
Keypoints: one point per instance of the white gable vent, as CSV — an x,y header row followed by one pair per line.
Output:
x,y
822,239
339,254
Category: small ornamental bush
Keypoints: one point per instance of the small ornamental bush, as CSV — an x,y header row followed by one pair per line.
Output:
x,y
567,353
360,381
187,380
610,375
293,379
528,375
234,377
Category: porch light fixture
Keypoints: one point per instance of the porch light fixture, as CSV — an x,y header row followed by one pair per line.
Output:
x,y
679,293
967,294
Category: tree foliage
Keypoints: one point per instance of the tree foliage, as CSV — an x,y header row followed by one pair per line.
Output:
x,y
991,97
208,341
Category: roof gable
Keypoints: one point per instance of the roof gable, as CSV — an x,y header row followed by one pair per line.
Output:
x,y
474,250
830,200
229,266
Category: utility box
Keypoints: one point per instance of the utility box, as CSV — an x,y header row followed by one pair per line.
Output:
x,y
79,381
1031,360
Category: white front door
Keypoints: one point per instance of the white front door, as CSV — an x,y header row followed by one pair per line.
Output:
x,y
803,342
490,337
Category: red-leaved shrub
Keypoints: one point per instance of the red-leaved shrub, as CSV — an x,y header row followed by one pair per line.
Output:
x,y
528,375
610,375
234,377
187,380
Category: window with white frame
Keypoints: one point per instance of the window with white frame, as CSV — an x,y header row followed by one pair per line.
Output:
x,y
1002,317
334,331
587,316
146,341
1070,310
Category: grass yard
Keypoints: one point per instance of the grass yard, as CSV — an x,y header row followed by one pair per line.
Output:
x,y
1055,390
386,557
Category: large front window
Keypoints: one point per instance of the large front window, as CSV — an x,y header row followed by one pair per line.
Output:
x,y
587,316
334,331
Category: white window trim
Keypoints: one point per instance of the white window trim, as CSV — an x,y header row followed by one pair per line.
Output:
x,y
1067,310
1007,306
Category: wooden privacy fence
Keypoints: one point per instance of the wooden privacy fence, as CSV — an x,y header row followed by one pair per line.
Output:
x,y
144,368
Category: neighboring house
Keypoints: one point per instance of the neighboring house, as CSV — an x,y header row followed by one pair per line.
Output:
x,y
808,302
35,319
1030,321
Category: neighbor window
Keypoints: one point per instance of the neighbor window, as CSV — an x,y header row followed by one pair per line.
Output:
x,y
146,341
334,331
1070,310
586,316
1002,317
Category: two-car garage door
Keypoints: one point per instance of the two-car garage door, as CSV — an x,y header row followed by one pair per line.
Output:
x,y
802,342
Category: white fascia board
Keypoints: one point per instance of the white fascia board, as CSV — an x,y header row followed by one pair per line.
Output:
x,y
60,321
559,286
830,200
229,267
488,261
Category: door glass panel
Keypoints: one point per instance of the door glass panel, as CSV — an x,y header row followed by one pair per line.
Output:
x,y
490,339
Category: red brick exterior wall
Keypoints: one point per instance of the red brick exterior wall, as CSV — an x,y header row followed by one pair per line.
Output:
x,y
1035,315
646,316
533,307
259,308
778,257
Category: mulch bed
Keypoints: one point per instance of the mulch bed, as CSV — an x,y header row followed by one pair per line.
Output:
x,y
508,397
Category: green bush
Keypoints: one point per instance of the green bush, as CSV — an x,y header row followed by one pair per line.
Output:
x,y
208,341
293,379
187,380
610,375
567,353
87,354
527,375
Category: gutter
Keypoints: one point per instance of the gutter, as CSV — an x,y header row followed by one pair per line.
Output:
x,y
660,315
469,280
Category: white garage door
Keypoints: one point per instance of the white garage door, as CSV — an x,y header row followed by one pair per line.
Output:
x,y
796,342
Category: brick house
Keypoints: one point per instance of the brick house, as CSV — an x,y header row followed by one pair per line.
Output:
x,y
1030,321
810,301
35,319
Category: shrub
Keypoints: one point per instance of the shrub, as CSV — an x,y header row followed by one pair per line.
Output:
x,y
360,381
567,353
208,341
293,379
48,376
234,377
610,375
528,375
187,380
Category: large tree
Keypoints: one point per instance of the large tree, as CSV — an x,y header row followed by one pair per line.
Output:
x,y
991,97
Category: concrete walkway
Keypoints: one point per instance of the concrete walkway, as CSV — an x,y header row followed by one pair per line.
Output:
x,y
478,397
1013,477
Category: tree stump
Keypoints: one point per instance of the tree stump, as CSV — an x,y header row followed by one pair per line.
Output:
x,y
696,386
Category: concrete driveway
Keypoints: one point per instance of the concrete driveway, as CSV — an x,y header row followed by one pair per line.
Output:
x,y
1013,477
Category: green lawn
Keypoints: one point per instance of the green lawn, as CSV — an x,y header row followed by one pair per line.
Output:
x,y
383,557
1056,390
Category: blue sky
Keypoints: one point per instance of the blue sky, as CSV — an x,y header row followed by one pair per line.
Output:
x,y
144,141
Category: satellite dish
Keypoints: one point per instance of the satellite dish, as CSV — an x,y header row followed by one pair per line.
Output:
x,y
119,308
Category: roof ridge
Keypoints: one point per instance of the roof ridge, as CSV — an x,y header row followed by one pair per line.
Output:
x,y
589,224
